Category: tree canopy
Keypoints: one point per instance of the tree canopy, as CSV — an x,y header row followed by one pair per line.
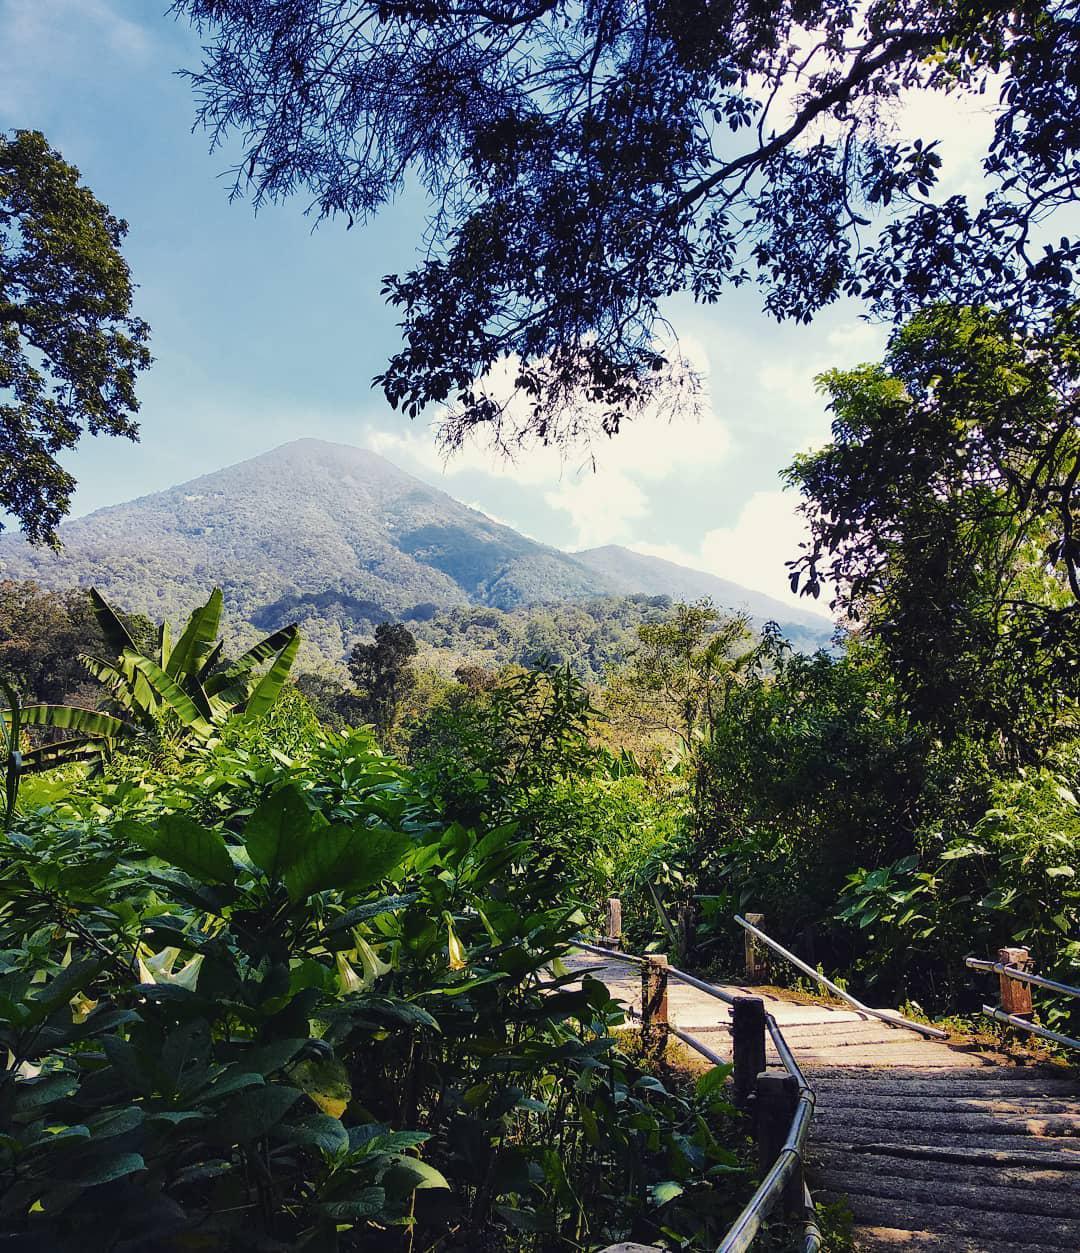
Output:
x,y
945,513
70,348
586,161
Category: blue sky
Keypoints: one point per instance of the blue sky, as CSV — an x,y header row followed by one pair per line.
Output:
x,y
265,331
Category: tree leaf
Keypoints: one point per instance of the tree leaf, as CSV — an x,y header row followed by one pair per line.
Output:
x,y
347,858
325,1081
193,645
87,1171
278,831
254,1112
182,842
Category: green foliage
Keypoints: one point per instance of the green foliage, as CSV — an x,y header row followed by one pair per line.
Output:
x,y
262,1000
384,675
942,511
186,686
70,350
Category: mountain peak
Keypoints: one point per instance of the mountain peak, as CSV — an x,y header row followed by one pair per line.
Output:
x,y
340,539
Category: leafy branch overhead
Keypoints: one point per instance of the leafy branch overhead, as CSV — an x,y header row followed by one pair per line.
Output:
x,y
587,161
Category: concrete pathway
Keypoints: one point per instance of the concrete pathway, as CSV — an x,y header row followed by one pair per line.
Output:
x,y
934,1145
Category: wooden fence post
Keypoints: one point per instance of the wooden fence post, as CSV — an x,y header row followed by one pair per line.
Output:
x,y
654,1007
747,1044
776,1097
614,923
1015,997
754,953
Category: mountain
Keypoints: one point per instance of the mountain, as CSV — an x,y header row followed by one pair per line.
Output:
x,y
334,537
630,572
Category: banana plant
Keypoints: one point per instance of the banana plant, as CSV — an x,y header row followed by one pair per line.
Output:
x,y
188,678
95,734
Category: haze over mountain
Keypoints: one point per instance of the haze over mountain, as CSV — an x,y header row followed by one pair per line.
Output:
x,y
340,539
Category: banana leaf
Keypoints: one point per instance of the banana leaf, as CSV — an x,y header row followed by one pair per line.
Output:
x,y
63,754
11,722
258,653
11,725
123,689
210,662
75,718
169,692
164,643
116,634
264,695
197,639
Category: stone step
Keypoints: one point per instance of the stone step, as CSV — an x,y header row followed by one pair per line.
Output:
x,y
947,1117
955,1191
899,1240
958,1222
869,1138
832,1166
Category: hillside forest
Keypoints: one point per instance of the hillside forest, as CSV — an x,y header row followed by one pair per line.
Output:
x,y
315,779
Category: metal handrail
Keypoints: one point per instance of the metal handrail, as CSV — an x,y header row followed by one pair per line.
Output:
x,y
613,953
1020,975
1022,1024
893,1020
747,1226
673,972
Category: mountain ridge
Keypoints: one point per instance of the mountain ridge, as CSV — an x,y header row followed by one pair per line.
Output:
x,y
338,538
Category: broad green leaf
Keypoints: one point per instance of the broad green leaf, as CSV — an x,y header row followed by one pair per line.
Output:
x,y
278,831
266,692
347,858
253,1113
74,718
662,1193
364,1203
116,634
256,655
87,1171
319,1130
712,1081
413,1172
178,840
66,752
373,909
170,694
325,1081
195,642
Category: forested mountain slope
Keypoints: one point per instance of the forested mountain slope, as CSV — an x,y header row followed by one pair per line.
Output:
x,y
334,537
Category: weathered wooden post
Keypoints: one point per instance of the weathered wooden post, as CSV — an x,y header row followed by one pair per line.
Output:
x,y
654,1007
1015,996
754,953
776,1097
614,923
747,1044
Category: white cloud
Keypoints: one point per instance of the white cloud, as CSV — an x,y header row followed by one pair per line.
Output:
x,y
753,551
602,506
603,489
